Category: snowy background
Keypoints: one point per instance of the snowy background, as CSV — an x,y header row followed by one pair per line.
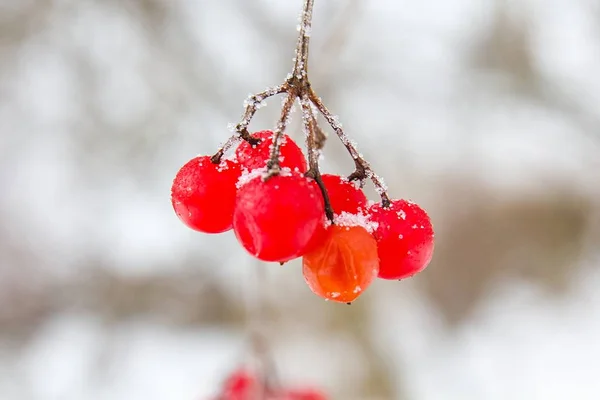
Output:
x,y
486,112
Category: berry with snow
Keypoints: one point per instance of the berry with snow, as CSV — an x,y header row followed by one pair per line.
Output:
x,y
256,156
404,237
344,196
203,194
274,220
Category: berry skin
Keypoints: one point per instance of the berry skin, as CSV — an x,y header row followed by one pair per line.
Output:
x,y
240,385
253,157
320,234
275,220
302,394
344,265
343,197
203,194
343,194
404,237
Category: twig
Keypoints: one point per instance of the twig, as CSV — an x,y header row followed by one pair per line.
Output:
x,y
252,104
297,83
309,123
301,59
286,109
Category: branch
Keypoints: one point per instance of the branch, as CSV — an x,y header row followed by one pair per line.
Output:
x,y
300,70
252,104
273,163
309,123
297,84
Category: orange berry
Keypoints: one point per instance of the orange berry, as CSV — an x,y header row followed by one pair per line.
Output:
x,y
344,265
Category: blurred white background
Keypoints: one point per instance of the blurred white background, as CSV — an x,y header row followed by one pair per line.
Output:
x,y
486,112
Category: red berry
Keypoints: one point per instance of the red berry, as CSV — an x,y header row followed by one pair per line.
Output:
x,y
253,157
240,385
343,194
344,197
203,194
344,265
275,219
319,236
404,237
302,394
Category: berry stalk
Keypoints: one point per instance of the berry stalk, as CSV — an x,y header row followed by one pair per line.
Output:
x,y
309,123
286,109
297,83
300,70
252,103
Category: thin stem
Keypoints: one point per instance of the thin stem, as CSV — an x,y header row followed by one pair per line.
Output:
x,y
309,122
297,84
301,59
252,104
363,168
286,109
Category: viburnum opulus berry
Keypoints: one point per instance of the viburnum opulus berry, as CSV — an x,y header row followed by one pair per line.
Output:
x,y
203,194
404,237
240,385
344,196
244,385
344,265
274,219
301,394
256,156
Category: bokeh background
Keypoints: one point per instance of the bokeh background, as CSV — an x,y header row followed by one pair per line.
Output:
x,y
486,112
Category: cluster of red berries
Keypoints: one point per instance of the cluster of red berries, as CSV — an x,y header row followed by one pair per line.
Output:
x,y
281,217
242,385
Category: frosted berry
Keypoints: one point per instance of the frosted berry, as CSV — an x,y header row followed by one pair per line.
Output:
x,y
344,265
253,157
275,219
343,194
203,194
344,197
404,237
